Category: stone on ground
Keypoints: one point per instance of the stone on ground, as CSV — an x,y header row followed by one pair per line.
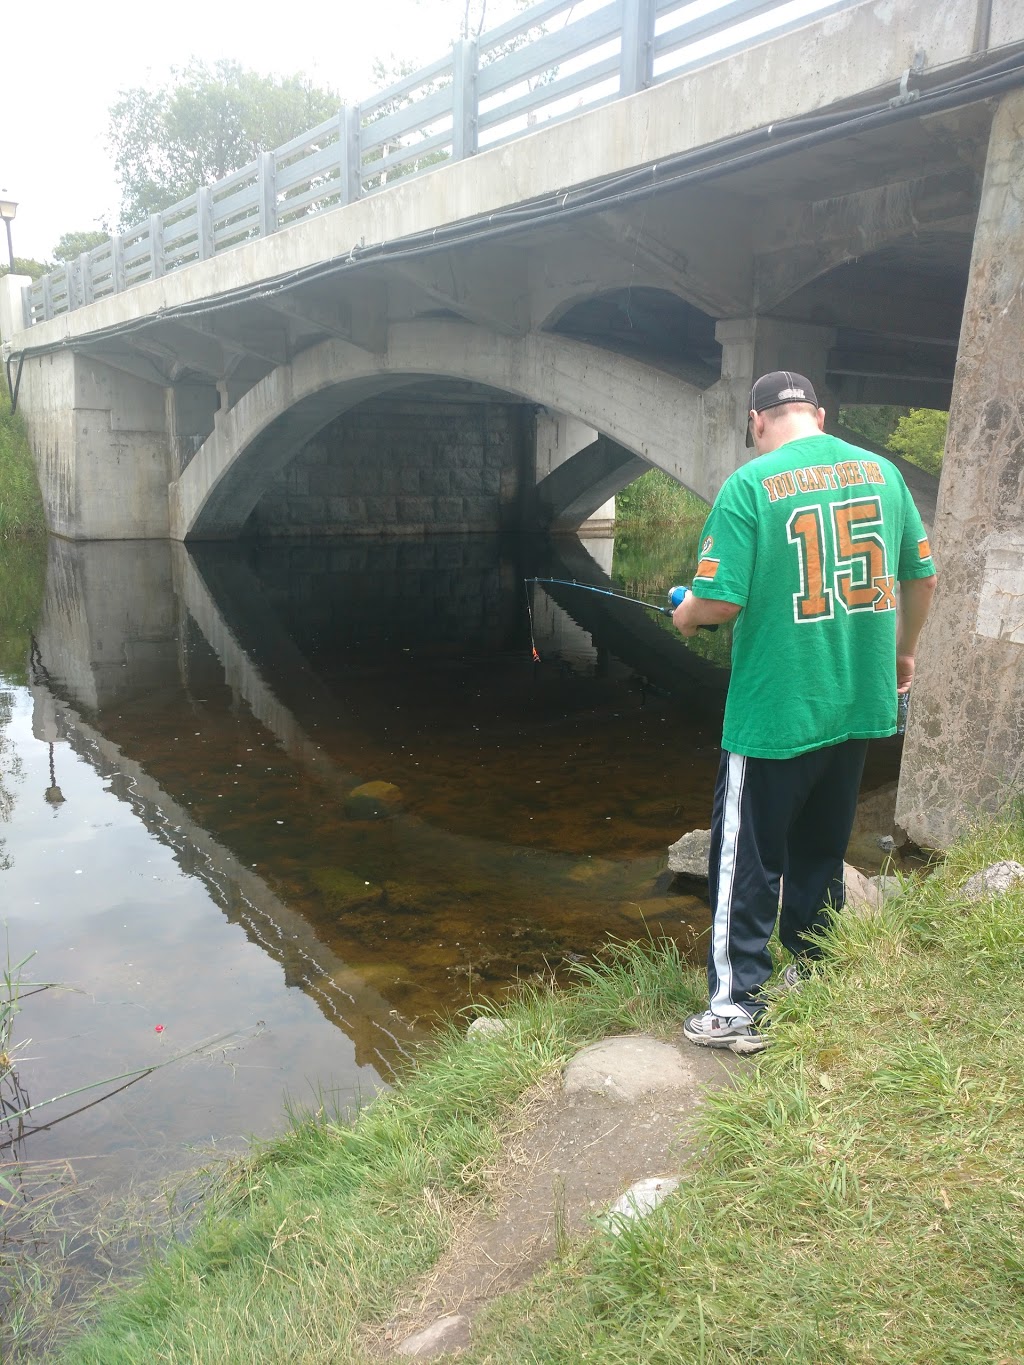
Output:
x,y
994,880
624,1069
638,1201
445,1336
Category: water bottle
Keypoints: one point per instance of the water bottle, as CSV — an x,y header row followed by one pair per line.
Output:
x,y
902,706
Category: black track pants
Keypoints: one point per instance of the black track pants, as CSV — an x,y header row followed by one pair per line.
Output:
x,y
775,817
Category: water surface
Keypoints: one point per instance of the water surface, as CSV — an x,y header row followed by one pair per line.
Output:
x,y
182,856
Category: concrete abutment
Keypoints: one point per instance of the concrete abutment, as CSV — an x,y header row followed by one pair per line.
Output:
x,y
965,739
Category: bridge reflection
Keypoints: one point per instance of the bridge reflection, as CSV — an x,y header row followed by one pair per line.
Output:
x,y
298,643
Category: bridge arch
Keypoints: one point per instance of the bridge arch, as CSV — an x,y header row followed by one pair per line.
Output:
x,y
648,412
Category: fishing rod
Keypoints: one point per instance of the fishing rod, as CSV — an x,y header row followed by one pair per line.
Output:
x,y
619,596
675,597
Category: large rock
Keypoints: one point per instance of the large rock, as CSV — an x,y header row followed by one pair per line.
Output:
x,y
626,1068
373,801
688,856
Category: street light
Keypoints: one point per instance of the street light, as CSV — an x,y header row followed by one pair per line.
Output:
x,y
8,208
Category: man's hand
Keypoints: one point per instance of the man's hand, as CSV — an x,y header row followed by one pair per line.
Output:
x,y
904,672
694,612
915,599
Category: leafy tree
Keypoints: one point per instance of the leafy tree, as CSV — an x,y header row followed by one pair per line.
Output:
x,y
72,244
25,265
920,437
874,424
206,123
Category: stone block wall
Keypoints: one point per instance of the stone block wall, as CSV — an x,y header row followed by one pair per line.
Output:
x,y
405,467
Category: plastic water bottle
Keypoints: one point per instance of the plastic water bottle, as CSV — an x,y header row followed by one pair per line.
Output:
x,y
902,706
676,595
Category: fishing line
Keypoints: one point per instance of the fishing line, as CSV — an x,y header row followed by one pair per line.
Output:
x,y
604,592
675,597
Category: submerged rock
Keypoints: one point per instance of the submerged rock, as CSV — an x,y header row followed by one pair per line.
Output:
x,y
373,801
342,889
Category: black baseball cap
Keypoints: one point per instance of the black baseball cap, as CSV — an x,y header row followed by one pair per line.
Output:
x,y
781,386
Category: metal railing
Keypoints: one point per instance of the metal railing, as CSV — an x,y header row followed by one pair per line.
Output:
x,y
551,62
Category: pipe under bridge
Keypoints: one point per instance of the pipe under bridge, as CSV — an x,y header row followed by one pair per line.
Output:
x,y
578,295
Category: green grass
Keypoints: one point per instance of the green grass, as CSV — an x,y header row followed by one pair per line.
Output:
x,y
858,1197
656,499
21,504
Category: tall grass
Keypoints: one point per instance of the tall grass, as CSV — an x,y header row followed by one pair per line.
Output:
x,y
21,504
657,500
857,1199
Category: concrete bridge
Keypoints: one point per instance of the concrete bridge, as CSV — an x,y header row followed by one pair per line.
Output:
x,y
511,337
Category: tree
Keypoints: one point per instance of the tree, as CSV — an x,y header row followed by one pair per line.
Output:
x,y
206,123
920,437
72,244
874,424
24,265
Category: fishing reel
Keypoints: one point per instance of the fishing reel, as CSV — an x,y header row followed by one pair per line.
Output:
x,y
676,595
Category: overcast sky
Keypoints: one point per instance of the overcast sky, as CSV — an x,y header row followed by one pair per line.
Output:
x,y
56,89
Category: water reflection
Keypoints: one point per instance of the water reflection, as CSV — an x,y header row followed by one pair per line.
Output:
x,y
200,721
183,851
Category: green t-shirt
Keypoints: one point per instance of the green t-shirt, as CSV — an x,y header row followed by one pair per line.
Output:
x,y
811,540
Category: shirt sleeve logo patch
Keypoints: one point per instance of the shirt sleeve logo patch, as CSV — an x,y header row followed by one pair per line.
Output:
x,y
706,570
705,549
924,550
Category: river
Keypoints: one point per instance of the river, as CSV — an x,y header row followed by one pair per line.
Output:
x,y
182,857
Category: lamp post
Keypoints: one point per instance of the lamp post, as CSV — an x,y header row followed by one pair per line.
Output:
x,y
8,208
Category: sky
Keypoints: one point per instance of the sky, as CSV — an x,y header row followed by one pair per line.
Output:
x,y
57,89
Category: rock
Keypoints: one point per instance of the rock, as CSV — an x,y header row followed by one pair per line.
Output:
x,y
373,801
486,1027
342,889
443,1337
887,886
887,843
863,897
638,1201
689,855
994,880
626,1068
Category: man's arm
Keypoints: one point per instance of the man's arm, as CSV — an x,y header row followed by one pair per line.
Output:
x,y
915,599
694,612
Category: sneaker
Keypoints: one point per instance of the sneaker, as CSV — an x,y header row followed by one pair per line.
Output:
x,y
791,980
711,1030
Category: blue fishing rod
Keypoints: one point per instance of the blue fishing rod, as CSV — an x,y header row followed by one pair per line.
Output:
x,y
675,596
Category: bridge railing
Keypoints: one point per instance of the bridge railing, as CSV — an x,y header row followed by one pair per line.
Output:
x,y
551,62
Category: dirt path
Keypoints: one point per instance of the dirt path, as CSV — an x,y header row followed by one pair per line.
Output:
x,y
586,1139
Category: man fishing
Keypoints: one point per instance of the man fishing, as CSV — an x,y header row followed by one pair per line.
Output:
x,y
803,548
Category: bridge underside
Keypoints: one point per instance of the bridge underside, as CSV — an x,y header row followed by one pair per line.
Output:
x,y
641,323
882,258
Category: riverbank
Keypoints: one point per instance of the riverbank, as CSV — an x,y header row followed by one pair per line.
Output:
x,y
21,503
856,1199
